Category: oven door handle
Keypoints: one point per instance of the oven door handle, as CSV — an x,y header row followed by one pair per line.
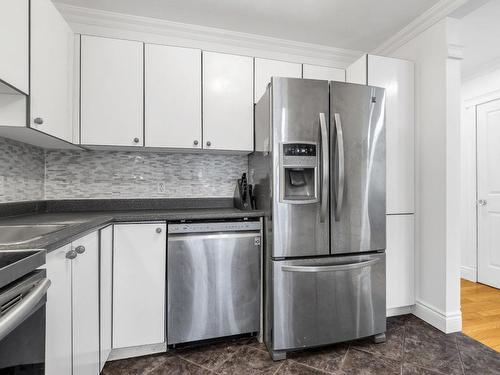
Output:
x,y
330,268
23,309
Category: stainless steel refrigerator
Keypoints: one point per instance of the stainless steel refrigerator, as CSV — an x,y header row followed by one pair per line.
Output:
x,y
319,174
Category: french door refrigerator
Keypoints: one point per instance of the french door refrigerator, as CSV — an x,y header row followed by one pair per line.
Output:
x,y
319,175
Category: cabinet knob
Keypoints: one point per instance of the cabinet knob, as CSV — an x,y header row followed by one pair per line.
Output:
x,y
80,249
158,230
72,254
136,140
195,142
38,120
482,202
209,143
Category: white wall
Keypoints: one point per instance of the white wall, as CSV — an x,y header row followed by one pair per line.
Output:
x,y
485,86
437,168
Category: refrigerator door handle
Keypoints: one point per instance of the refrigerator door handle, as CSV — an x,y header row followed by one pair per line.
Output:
x,y
329,268
341,165
324,167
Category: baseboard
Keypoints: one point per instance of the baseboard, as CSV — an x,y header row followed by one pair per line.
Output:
x,y
394,311
136,351
446,322
468,273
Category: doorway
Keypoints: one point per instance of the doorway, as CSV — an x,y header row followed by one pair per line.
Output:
x,y
480,175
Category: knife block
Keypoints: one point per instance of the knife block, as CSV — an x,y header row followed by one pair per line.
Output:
x,y
239,202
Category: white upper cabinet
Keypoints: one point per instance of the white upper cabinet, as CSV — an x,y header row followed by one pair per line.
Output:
x,y
357,71
14,44
227,102
265,69
323,72
52,52
111,92
172,97
400,261
397,77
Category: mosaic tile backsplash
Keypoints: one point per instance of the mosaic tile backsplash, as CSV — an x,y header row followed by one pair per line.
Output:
x,y
117,174
21,171
30,173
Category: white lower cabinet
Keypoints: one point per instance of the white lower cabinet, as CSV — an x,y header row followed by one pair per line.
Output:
x,y
106,290
58,313
139,278
72,331
400,261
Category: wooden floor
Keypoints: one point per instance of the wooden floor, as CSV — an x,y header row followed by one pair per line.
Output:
x,y
481,313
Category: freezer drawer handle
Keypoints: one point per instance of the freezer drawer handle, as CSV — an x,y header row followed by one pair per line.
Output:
x,y
324,167
17,314
340,187
331,268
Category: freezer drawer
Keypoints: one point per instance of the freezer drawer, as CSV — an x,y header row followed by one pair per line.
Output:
x,y
327,300
213,285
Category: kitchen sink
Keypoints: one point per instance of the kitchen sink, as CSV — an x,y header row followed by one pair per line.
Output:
x,y
16,234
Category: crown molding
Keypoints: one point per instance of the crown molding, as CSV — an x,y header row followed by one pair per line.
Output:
x,y
430,17
94,21
483,70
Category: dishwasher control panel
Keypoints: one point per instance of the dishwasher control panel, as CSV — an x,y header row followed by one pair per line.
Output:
x,y
234,226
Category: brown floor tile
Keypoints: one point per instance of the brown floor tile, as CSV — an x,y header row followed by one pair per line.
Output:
x,y
364,363
327,358
392,348
293,368
415,370
211,356
249,361
427,347
476,357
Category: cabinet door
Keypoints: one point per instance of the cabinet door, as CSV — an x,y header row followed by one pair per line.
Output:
x,y
14,44
111,92
106,279
227,102
139,278
86,306
323,72
52,52
400,261
397,77
357,71
58,313
172,97
265,69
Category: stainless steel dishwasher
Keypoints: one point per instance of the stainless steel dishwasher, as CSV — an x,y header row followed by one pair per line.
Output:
x,y
213,280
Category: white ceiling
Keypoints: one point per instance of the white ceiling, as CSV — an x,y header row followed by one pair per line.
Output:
x,y
359,24
480,34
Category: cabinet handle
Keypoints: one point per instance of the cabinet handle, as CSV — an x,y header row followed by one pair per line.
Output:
x,y
72,254
80,249
195,142
136,140
209,143
158,230
38,120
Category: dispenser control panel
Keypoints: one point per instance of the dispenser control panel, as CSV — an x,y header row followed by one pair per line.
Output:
x,y
299,149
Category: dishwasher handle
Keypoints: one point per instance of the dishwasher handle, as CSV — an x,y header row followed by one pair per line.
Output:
x,y
211,236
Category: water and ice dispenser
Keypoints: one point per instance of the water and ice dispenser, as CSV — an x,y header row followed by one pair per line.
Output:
x,y
299,173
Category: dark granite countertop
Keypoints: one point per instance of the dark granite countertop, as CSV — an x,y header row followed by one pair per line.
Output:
x,y
81,222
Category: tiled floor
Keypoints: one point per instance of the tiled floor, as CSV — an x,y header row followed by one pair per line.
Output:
x,y
412,347
481,313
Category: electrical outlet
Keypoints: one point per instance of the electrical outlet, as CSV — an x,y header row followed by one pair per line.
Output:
x,y
162,187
